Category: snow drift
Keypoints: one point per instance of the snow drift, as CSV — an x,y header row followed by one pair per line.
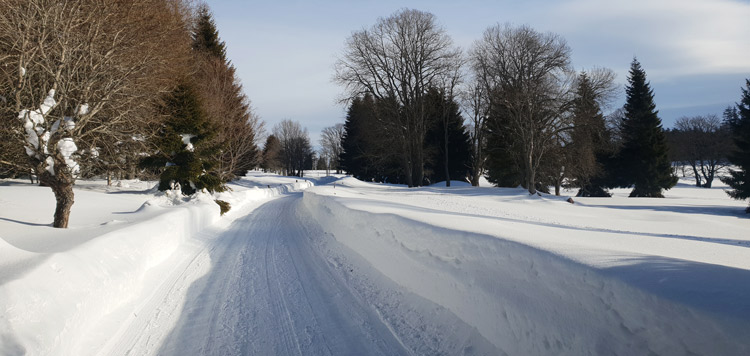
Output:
x,y
522,299
49,301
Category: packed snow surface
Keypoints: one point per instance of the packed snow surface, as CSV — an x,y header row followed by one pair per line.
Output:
x,y
336,266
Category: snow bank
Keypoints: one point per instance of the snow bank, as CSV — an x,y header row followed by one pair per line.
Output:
x,y
46,307
522,299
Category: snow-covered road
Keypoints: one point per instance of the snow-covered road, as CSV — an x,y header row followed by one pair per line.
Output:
x,y
349,267
267,291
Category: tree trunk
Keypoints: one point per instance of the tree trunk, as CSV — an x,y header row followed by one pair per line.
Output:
x,y
62,186
445,153
530,174
64,198
697,175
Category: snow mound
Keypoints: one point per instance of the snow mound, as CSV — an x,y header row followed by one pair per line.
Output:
x,y
524,300
50,301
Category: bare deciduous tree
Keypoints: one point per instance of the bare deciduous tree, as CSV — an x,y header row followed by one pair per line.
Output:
x,y
295,146
331,144
77,71
703,144
475,103
526,74
229,109
399,59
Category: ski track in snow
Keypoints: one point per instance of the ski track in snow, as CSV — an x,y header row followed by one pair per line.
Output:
x,y
267,291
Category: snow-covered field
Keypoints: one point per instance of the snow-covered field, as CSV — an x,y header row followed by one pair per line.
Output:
x,y
338,266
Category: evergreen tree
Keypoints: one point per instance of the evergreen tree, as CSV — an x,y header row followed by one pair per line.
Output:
x,y
503,159
184,145
644,157
271,161
355,142
206,36
588,149
447,125
739,122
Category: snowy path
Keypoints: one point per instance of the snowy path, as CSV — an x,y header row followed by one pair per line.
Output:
x,y
267,292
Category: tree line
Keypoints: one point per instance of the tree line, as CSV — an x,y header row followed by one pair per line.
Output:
x,y
512,108
121,89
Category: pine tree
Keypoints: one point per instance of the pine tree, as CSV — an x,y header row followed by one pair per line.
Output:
x,y
739,123
206,36
645,155
184,145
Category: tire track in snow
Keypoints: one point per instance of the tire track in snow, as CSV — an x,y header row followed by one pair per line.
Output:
x,y
267,291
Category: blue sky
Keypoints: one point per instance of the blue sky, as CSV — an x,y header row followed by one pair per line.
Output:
x,y
696,53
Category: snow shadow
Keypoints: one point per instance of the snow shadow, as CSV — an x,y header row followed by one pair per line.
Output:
x,y
692,209
393,206
24,222
703,286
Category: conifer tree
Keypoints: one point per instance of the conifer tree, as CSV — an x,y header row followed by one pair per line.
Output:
x,y
206,36
644,157
589,142
739,123
271,155
184,145
447,142
355,144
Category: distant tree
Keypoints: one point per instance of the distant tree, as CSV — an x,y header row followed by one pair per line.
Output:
x,y
185,146
331,144
271,161
524,73
644,157
739,179
590,143
296,151
398,60
703,144
475,103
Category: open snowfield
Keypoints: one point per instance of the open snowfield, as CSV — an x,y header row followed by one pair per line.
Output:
x,y
336,266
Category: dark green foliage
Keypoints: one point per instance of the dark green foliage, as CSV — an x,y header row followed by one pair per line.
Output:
x,y
224,206
206,36
191,168
271,161
644,158
589,148
503,154
366,154
446,123
739,123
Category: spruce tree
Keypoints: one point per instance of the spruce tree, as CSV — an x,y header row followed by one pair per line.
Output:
x,y
739,123
644,157
184,145
206,36
447,142
355,143
588,149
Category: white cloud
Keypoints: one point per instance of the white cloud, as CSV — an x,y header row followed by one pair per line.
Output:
x,y
687,37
